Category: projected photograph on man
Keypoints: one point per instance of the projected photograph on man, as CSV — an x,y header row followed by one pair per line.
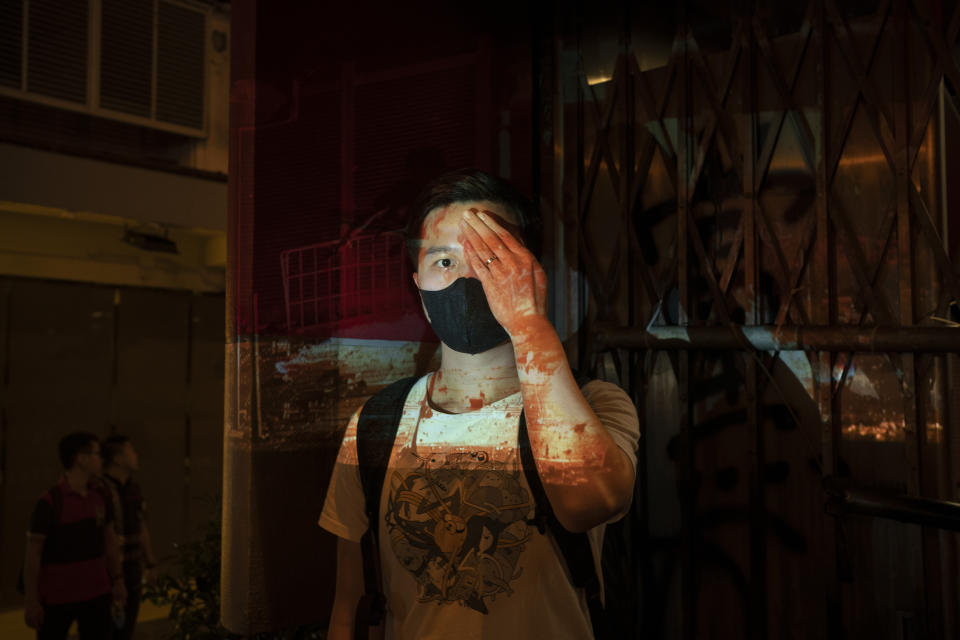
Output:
x,y
547,319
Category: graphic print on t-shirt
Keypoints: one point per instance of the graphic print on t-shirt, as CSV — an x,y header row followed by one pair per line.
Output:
x,y
458,524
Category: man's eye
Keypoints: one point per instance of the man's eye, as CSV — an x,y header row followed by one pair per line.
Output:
x,y
445,263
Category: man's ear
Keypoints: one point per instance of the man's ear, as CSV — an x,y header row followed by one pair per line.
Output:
x,y
416,279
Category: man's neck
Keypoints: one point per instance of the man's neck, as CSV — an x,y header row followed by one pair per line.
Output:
x,y
77,479
118,473
466,382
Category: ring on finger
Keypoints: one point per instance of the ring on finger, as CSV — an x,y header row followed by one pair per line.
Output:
x,y
491,259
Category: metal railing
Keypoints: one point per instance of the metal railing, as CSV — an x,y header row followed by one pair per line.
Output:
x,y
362,278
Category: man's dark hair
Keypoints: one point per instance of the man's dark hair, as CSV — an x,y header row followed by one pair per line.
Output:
x,y
466,185
112,447
73,444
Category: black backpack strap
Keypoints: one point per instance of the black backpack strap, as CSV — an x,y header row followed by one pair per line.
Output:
x,y
376,430
574,547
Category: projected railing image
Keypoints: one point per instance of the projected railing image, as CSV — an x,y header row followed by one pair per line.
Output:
x,y
364,278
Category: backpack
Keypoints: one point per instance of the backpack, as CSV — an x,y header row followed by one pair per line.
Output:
x,y
377,428
56,499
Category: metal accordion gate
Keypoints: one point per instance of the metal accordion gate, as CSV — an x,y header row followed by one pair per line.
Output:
x,y
754,239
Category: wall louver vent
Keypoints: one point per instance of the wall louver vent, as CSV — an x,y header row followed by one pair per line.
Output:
x,y
11,34
139,61
57,49
126,56
180,65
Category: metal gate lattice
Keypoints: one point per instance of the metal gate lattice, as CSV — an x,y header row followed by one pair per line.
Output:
x,y
781,180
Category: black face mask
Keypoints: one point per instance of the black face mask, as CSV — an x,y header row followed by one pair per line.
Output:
x,y
461,317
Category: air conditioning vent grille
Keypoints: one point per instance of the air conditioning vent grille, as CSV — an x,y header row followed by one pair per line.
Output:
x,y
11,33
57,56
143,62
126,56
181,37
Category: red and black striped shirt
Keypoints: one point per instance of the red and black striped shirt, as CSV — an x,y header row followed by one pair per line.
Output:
x,y
73,567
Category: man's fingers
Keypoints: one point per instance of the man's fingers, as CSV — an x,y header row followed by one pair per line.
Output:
x,y
502,234
473,258
486,264
480,246
491,239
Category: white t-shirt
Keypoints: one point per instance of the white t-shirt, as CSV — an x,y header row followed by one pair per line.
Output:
x,y
459,559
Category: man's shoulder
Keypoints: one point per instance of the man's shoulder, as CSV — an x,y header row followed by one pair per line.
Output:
x,y
45,500
376,421
398,387
52,495
391,396
46,512
100,487
602,389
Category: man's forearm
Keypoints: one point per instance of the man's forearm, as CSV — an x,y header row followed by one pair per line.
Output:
x,y
146,548
349,588
341,622
31,570
588,479
586,476
114,554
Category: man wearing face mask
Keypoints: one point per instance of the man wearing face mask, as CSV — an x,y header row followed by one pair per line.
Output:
x,y
462,548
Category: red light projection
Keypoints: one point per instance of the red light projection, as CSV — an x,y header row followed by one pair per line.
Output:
x,y
346,282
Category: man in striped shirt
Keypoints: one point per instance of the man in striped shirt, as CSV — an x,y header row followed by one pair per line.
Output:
x,y
72,570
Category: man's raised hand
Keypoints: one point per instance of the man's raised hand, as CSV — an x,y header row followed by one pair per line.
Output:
x,y
513,281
